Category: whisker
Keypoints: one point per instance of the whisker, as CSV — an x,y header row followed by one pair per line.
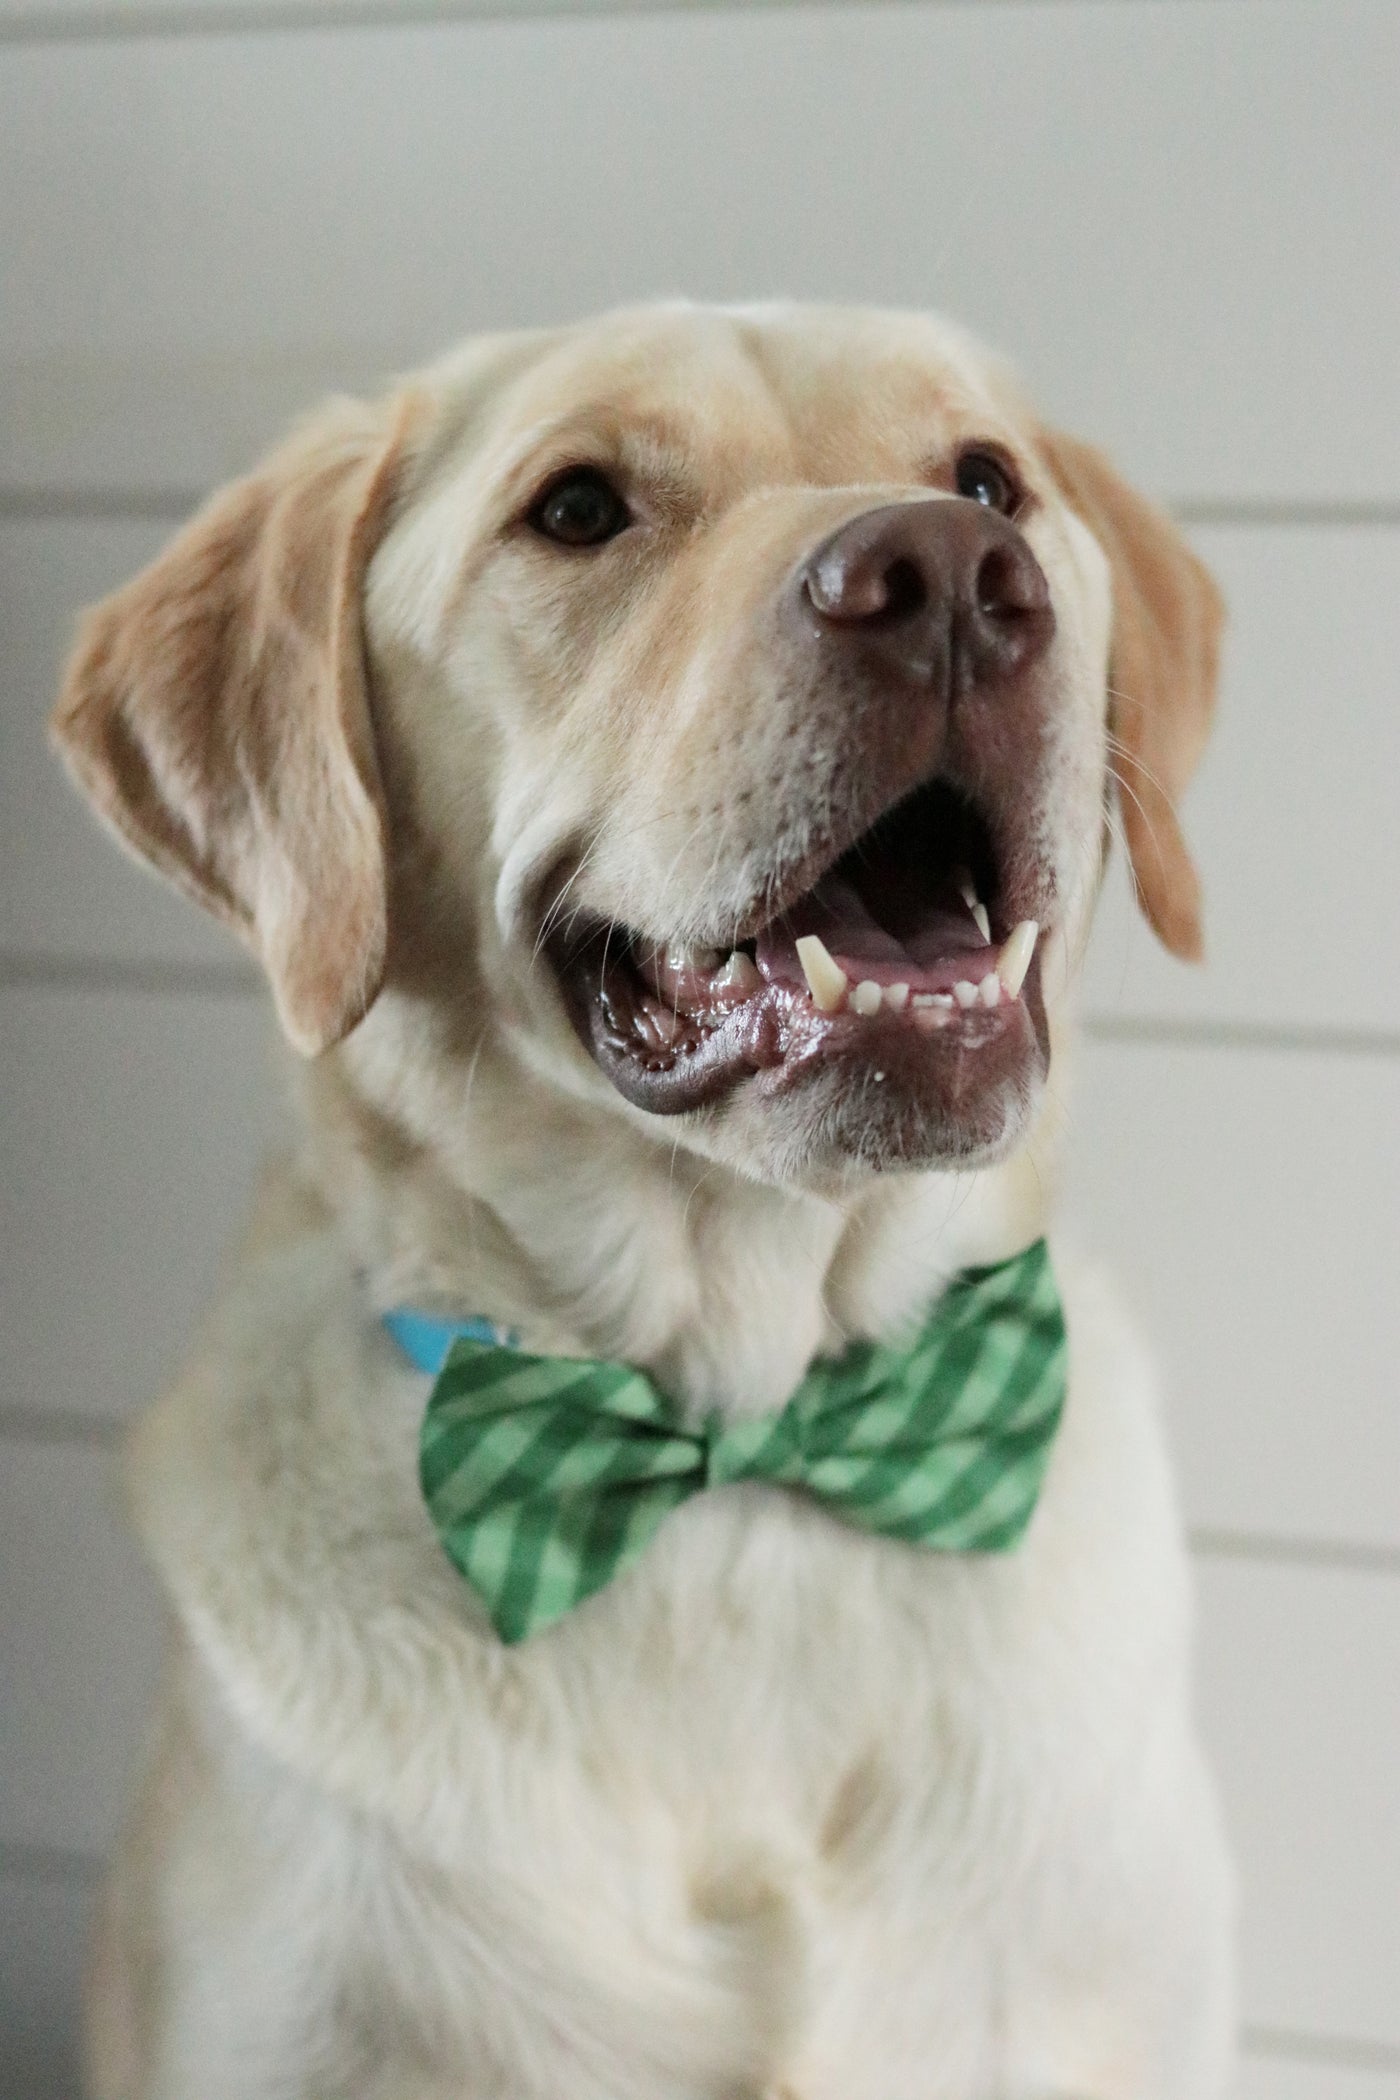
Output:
x,y
1126,788
551,920
1118,748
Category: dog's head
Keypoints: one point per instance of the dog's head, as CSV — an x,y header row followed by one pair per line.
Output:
x,y
715,710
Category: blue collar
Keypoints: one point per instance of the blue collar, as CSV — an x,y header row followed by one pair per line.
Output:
x,y
425,1338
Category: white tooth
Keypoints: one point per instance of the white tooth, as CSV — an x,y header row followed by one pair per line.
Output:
x,y
925,999
989,990
1015,957
896,997
826,980
966,889
965,993
984,924
867,997
740,974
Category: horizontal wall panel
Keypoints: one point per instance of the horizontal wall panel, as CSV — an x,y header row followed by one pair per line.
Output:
x,y
1274,2077
80,1641
130,1131
1247,1202
1095,188
1300,1675
66,888
43,1943
1291,820
146,17
124,430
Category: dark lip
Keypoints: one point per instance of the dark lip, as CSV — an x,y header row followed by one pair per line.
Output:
x,y
775,1040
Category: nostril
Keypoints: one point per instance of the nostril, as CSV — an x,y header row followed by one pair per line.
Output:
x,y
1009,621
906,591
1009,585
867,593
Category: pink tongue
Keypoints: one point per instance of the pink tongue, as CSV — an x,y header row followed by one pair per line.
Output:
x,y
946,944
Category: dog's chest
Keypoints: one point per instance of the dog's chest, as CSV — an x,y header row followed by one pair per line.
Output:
x,y
775,1778
776,1773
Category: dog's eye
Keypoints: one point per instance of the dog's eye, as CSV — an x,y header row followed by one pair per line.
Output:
x,y
985,480
580,509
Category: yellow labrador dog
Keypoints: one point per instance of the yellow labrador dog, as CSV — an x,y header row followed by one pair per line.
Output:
x,y
664,767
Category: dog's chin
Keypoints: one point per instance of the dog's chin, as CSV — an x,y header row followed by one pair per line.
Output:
x,y
846,1120
889,1014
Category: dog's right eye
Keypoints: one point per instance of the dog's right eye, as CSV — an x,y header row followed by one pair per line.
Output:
x,y
580,509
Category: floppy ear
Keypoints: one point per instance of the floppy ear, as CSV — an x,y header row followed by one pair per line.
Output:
x,y
216,712
1167,617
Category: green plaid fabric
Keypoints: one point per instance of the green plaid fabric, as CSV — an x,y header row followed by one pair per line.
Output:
x,y
547,1476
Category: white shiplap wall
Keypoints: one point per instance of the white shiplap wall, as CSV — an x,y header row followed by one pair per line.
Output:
x,y
1181,216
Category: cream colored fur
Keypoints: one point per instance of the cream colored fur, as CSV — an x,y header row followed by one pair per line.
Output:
x,y
787,1812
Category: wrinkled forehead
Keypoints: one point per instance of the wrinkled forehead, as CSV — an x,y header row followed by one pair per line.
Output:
x,y
745,395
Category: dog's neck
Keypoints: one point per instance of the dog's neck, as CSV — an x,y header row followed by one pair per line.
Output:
x,y
562,1220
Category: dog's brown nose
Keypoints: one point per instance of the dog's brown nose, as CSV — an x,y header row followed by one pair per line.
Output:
x,y
944,593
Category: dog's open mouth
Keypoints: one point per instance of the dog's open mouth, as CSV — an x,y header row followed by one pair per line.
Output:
x,y
905,956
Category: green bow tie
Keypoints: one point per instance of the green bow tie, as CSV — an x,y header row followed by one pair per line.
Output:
x,y
546,1476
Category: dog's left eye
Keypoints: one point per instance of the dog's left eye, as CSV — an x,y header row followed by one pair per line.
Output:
x,y
985,480
580,509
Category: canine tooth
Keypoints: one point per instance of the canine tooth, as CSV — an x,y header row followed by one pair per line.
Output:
x,y
967,889
965,993
989,990
896,997
740,974
984,924
1015,957
867,997
826,980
